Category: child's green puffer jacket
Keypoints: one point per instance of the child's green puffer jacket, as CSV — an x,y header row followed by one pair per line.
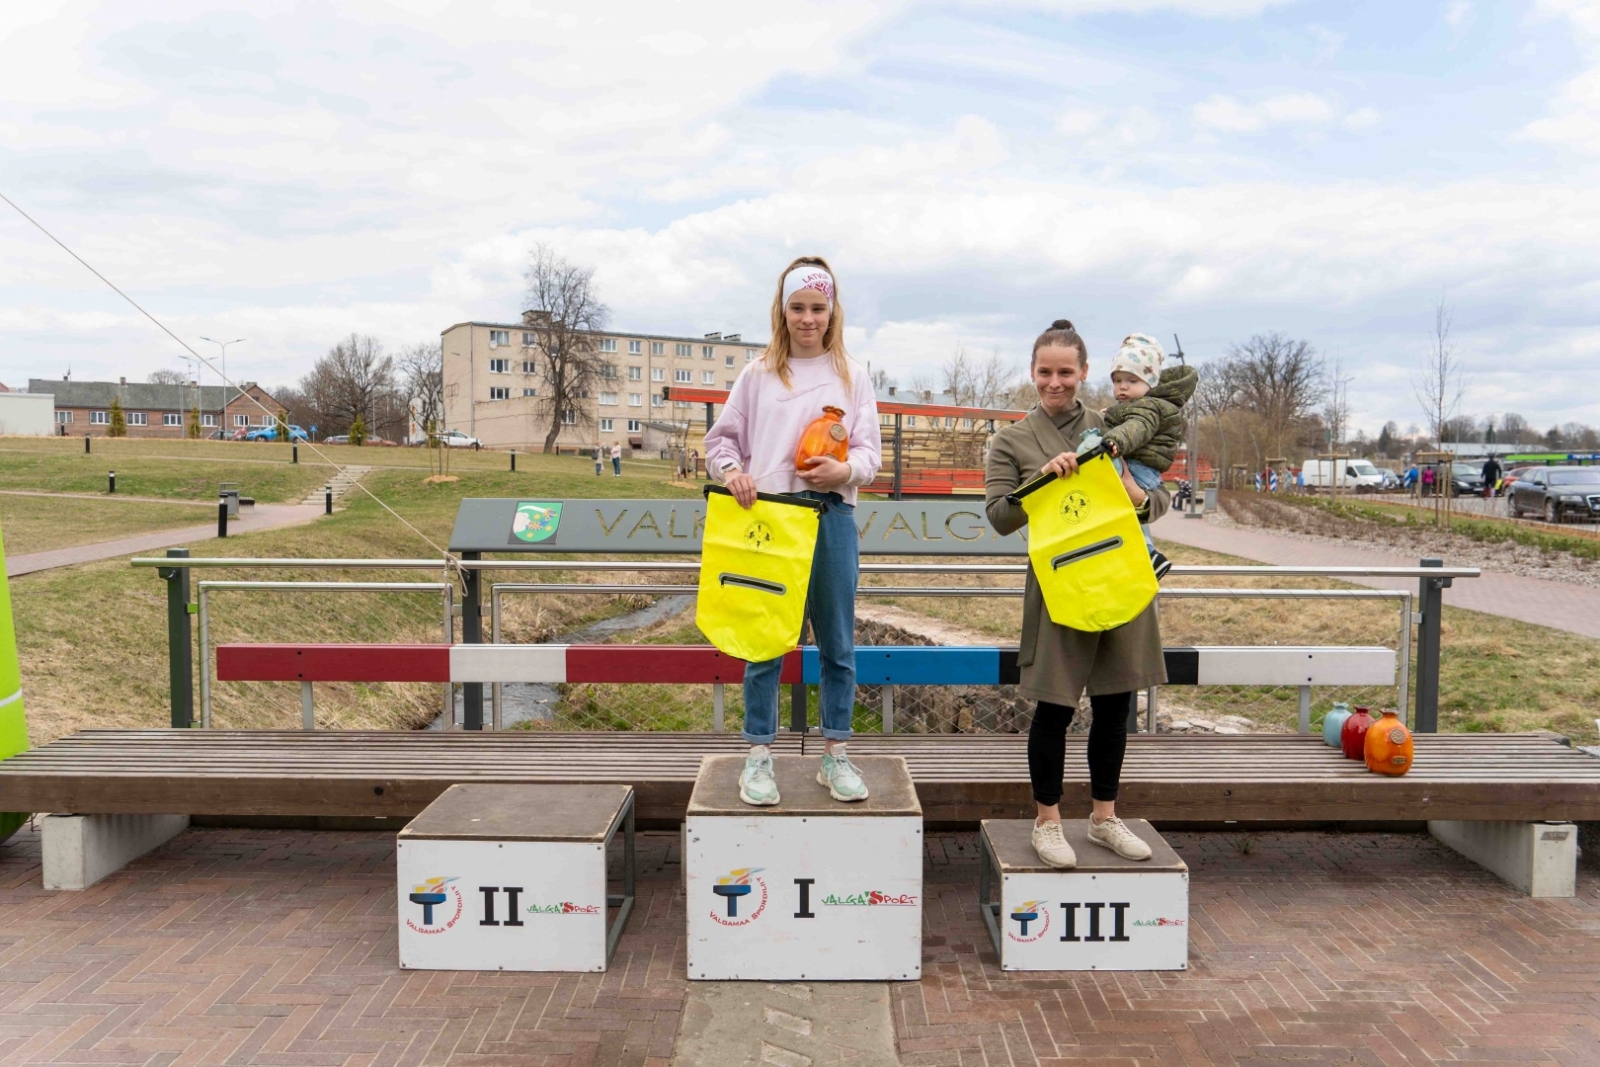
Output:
x,y
1150,430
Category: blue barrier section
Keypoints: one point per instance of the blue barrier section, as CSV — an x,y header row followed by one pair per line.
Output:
x,y
939,665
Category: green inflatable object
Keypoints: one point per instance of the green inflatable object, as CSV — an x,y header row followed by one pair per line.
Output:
x,y
13,726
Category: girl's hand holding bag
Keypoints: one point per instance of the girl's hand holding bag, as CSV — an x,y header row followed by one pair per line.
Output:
x,y
755,572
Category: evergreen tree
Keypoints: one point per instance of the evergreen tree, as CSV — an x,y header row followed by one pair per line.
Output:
x,y
119,421
283,427
358,431
193,432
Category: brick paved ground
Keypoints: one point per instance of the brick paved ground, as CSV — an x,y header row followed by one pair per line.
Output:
x,y
277,947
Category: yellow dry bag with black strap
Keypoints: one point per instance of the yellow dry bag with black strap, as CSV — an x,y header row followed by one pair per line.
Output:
x,y
1086,547
13,727
755,572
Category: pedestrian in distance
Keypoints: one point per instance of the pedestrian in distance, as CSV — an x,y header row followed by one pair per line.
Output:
x,y
1058,663
1491,477
752,448
616,459
599,458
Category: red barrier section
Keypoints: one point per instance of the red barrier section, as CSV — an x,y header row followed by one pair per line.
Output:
x,y
333,663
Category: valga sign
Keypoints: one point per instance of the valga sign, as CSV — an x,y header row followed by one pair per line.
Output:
x,y
886,527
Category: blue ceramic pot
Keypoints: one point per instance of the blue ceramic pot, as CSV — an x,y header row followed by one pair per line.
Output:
x,y
1334,722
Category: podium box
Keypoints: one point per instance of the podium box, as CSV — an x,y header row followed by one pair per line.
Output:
x,y
513,878
810,889
1106,914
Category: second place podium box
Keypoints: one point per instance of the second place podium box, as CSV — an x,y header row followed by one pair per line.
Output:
x,y
811,889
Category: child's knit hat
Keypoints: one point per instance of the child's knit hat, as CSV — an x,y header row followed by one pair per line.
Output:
x,y
1140,356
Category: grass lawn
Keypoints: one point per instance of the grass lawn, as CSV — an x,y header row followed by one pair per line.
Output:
x,y
63,471
41,523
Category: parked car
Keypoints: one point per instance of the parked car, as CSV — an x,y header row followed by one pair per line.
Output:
x,y
337,439
1391,480
1466,479
238,435
457,439
1556,493
1358,474
270,433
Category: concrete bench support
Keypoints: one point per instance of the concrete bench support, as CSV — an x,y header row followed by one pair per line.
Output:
x,y
79,850
1539,858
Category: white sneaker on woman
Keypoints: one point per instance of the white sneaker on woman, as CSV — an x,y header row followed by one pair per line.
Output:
x,y
1114,834
1051,845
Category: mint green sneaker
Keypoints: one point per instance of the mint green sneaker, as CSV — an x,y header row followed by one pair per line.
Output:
x,y
842,778
757,786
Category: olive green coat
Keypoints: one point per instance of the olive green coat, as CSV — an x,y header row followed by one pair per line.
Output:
x,y
1059,664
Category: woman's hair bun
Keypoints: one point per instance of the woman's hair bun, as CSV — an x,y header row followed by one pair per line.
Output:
x,y
1061,324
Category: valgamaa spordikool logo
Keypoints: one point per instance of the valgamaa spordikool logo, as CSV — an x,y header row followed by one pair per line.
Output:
x,y
441,905
744,897
1028,922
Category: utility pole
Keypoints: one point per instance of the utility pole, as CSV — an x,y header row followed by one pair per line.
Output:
x,y
223,345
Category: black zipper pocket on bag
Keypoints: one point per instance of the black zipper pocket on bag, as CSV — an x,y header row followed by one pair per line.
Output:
x,y
1085,552
761,585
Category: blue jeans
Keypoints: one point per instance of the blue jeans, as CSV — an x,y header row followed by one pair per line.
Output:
x,y
616,466
831,606
1145,478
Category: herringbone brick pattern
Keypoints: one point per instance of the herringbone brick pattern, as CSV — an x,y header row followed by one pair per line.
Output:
x,y
278,947
1310,948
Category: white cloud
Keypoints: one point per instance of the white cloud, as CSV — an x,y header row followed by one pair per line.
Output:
x,y
1573,121
1328,42
1226,114
1362,118
1459,15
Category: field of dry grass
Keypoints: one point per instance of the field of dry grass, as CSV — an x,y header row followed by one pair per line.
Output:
x,y
41,523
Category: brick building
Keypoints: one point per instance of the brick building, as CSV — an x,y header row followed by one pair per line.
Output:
x,y
156,410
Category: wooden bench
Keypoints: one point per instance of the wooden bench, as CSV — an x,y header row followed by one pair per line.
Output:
x,y
960,778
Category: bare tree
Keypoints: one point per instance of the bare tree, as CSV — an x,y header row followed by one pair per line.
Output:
x,y
169,376
1281,382
1438,385
565,315
421,368
354,380
1217,395
880,378
1336,408
1514,430
986,383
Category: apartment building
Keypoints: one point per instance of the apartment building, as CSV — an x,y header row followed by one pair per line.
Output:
x,y
156,410
495,391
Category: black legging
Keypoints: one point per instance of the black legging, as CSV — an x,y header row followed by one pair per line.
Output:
x,y
1108,740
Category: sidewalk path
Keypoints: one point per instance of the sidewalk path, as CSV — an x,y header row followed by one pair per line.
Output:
x,y
264,517
1573,608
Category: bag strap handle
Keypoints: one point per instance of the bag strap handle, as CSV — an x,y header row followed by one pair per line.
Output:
x,y
1101,449
819,506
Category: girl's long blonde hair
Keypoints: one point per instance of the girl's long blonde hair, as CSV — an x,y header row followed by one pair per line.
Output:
x,y
777,355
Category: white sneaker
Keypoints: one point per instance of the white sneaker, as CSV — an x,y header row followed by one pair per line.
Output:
x,y
1114,834
757,786
1052,847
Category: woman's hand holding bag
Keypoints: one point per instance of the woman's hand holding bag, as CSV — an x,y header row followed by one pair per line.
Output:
x,y
755,572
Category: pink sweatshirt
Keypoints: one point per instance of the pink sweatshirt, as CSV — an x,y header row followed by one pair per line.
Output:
x,y
761,424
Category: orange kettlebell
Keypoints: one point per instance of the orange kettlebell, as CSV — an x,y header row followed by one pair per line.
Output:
x,y
825,436
1389,747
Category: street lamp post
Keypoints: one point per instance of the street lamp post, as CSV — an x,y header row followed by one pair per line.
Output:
x,y
224,346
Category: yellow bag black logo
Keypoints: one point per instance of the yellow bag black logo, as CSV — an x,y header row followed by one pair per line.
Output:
x,y
758,536
1074,506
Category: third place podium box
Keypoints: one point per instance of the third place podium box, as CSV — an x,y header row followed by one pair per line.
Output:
x,y
810,889
513,878
1106,914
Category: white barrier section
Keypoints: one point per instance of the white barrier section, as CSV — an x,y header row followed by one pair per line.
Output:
x,y
1106,914
812,889
1291,665
508,877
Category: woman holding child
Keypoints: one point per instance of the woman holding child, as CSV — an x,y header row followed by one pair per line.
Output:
x,y
1058,664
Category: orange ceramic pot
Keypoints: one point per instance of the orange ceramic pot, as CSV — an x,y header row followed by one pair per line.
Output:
x,y
825,436
1388,746
1353,735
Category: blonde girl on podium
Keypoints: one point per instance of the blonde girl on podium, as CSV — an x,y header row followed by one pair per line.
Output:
x,y
752,448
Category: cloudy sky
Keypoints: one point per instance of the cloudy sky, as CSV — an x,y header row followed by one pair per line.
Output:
x,y
291,172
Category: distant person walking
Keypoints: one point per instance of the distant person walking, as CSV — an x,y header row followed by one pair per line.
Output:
x,y
616,460
1491,477
599,458
1429,476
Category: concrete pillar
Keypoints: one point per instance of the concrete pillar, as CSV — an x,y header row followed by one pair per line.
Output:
x,y
79,850
1539,858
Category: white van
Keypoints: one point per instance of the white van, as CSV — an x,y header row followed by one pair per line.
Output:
x,y
1358,475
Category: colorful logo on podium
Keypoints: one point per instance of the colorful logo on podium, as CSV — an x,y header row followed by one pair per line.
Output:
x,y
565,907
1032,918
438,899
870,898
740,886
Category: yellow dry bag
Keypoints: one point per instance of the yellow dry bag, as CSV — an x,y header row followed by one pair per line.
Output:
x,y
13,726
1086,548
755,571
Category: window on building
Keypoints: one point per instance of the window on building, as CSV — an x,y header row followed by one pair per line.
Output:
x,y
949,422
208,420
728,384
241,420
569,417
911,421
635,347
499,392
171,418
635,400
64,416
607,425
528,339
683,377
138,418
529,392
608,344
658,374
635,374
608,399
499,366
708,351
966,424
658,348
684,350
635,426
608,370
708,377
885,420
530,366
499,337
749,354
657,400
99,418
727,361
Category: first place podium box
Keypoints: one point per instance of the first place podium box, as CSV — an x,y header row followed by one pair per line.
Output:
x,y
811,889
1106,914
513,878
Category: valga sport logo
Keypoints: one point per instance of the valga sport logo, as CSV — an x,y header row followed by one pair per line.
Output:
x,y
1033,920
441,906
870,898
741,886
565,907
